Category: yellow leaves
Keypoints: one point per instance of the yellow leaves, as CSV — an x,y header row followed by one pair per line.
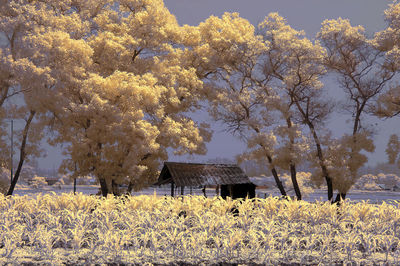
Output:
x,y
388,39
224,40
129,90
341,29
230,27
190,35
69,58
344,156
278,32
183,135
388,104
266,140
150,18
273,21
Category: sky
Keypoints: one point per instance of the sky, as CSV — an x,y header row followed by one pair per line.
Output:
x,y
304,15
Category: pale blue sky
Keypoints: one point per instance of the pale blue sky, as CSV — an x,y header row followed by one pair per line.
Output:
x,y
304,15
301,14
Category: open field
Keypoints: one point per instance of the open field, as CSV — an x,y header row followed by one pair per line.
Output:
x,y
82,229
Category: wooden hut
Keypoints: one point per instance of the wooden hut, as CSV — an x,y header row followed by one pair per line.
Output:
x,y
229,177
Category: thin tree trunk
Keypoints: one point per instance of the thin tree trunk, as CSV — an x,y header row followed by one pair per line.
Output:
x,y
294,181
276,177
22,154
324,169
292,166
320,155
204,191
356,127
74,185
273,170
330,186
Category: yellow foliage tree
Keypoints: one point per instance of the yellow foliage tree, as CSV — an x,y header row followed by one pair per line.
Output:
x,y
113,85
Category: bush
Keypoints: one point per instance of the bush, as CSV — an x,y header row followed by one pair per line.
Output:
x,y
379,182
304,181
38,182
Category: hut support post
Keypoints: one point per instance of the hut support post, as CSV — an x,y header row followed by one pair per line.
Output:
x,y
182,190
190,190
172,189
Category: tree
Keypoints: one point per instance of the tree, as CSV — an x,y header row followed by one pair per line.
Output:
x,y
235,99
115,91
363,73
294,64
387,41
19,82
253,94
388,104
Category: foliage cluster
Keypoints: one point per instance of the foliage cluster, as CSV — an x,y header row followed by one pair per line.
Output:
x,y
84,229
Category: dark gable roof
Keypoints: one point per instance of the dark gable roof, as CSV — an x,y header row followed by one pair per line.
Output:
x,y
194,174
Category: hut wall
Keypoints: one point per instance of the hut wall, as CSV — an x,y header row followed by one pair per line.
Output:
x,y
225,191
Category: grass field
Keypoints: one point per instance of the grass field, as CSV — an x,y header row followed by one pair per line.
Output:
x,y
81,229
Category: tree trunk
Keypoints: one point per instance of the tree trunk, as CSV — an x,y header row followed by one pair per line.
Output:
x,y
330,186
276,177
356,127
294,181
321,160
130,187
273,170
103,187
320,155
22,154
278,182
292,164
204,191
74,185
339,198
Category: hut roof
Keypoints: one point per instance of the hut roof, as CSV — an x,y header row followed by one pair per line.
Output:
x,y
194,174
